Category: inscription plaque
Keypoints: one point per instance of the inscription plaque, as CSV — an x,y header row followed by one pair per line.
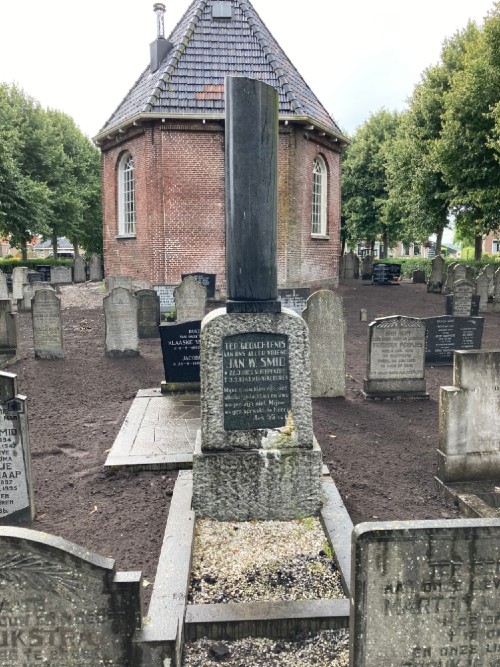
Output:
x,y
462,308
166,294
180,345
426,594
295,298
446,333
256,381
386,274
205,279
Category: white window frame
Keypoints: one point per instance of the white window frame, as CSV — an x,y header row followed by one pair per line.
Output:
x,y
126,197
319,198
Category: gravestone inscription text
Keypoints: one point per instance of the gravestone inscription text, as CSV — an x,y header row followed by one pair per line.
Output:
x,y
180,344
396,351
256,381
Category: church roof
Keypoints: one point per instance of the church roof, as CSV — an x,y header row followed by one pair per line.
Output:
x,y
205,49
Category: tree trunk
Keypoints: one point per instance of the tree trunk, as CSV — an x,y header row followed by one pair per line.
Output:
x,y
24,250
54,245
372,248
439,239
76,248
478,247
386,244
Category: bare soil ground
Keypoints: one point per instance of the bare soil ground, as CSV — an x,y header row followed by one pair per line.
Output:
x,y
382,455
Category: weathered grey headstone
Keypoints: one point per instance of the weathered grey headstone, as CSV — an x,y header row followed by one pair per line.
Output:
x,y
482,292
448,286
437,277
463,292
166,294
112,282
16,491
396,359
256,456
120,314
47,325
496,298
363,315
148,313
95,268
325,319
469,424
349,265
4,290
425,594
459,272
356,267
19,279
65,606
366,267
489,270
24,305
8,329
418,277
79,270
190,300
61,275
470,274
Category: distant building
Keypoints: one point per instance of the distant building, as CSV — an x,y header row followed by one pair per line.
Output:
x,y
45,248
163,155
491,244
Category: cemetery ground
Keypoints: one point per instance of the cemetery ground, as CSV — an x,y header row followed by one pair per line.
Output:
x,y
381,454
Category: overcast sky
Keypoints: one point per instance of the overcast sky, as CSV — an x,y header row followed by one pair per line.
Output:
x,y
356,55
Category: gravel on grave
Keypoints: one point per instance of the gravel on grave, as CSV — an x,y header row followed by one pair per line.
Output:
x,y
328,648
262,560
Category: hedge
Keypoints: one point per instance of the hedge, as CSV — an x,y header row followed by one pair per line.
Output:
x,y
7,265
410,264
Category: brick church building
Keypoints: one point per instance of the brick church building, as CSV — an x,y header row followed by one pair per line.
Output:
x,y
163,155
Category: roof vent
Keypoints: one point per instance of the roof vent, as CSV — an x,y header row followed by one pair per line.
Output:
x,y
222,10
161,47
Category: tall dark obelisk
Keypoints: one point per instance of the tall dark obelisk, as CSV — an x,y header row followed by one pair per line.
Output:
x,y
251,196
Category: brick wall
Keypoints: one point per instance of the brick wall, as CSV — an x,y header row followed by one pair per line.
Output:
x,y
179,180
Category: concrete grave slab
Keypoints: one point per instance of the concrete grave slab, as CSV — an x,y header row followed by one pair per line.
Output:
x,y
158,433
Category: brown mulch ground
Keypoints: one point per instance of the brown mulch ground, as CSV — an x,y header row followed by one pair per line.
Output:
x,y
382,455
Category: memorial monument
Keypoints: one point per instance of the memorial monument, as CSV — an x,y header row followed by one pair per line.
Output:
x,y
256,456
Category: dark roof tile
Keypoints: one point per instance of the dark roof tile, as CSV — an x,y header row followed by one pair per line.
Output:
x,y
205,50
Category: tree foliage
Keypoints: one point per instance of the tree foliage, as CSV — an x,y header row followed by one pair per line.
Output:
x,y
49,175
365,180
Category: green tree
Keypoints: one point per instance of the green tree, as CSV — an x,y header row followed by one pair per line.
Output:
x,y
467,153
419,196
365,181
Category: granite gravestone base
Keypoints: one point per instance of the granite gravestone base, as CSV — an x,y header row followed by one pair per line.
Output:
x,y
63,605
256,457
16,489
396,359
425,594
180,346
469,419
445,334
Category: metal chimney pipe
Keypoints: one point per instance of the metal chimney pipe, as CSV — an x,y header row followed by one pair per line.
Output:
x,y
159,9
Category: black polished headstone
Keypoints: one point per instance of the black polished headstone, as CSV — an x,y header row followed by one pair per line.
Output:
x,y
205,279
386,274
474,308
446,333
180,346
36,277
294,298
251,195
256,381
44,269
